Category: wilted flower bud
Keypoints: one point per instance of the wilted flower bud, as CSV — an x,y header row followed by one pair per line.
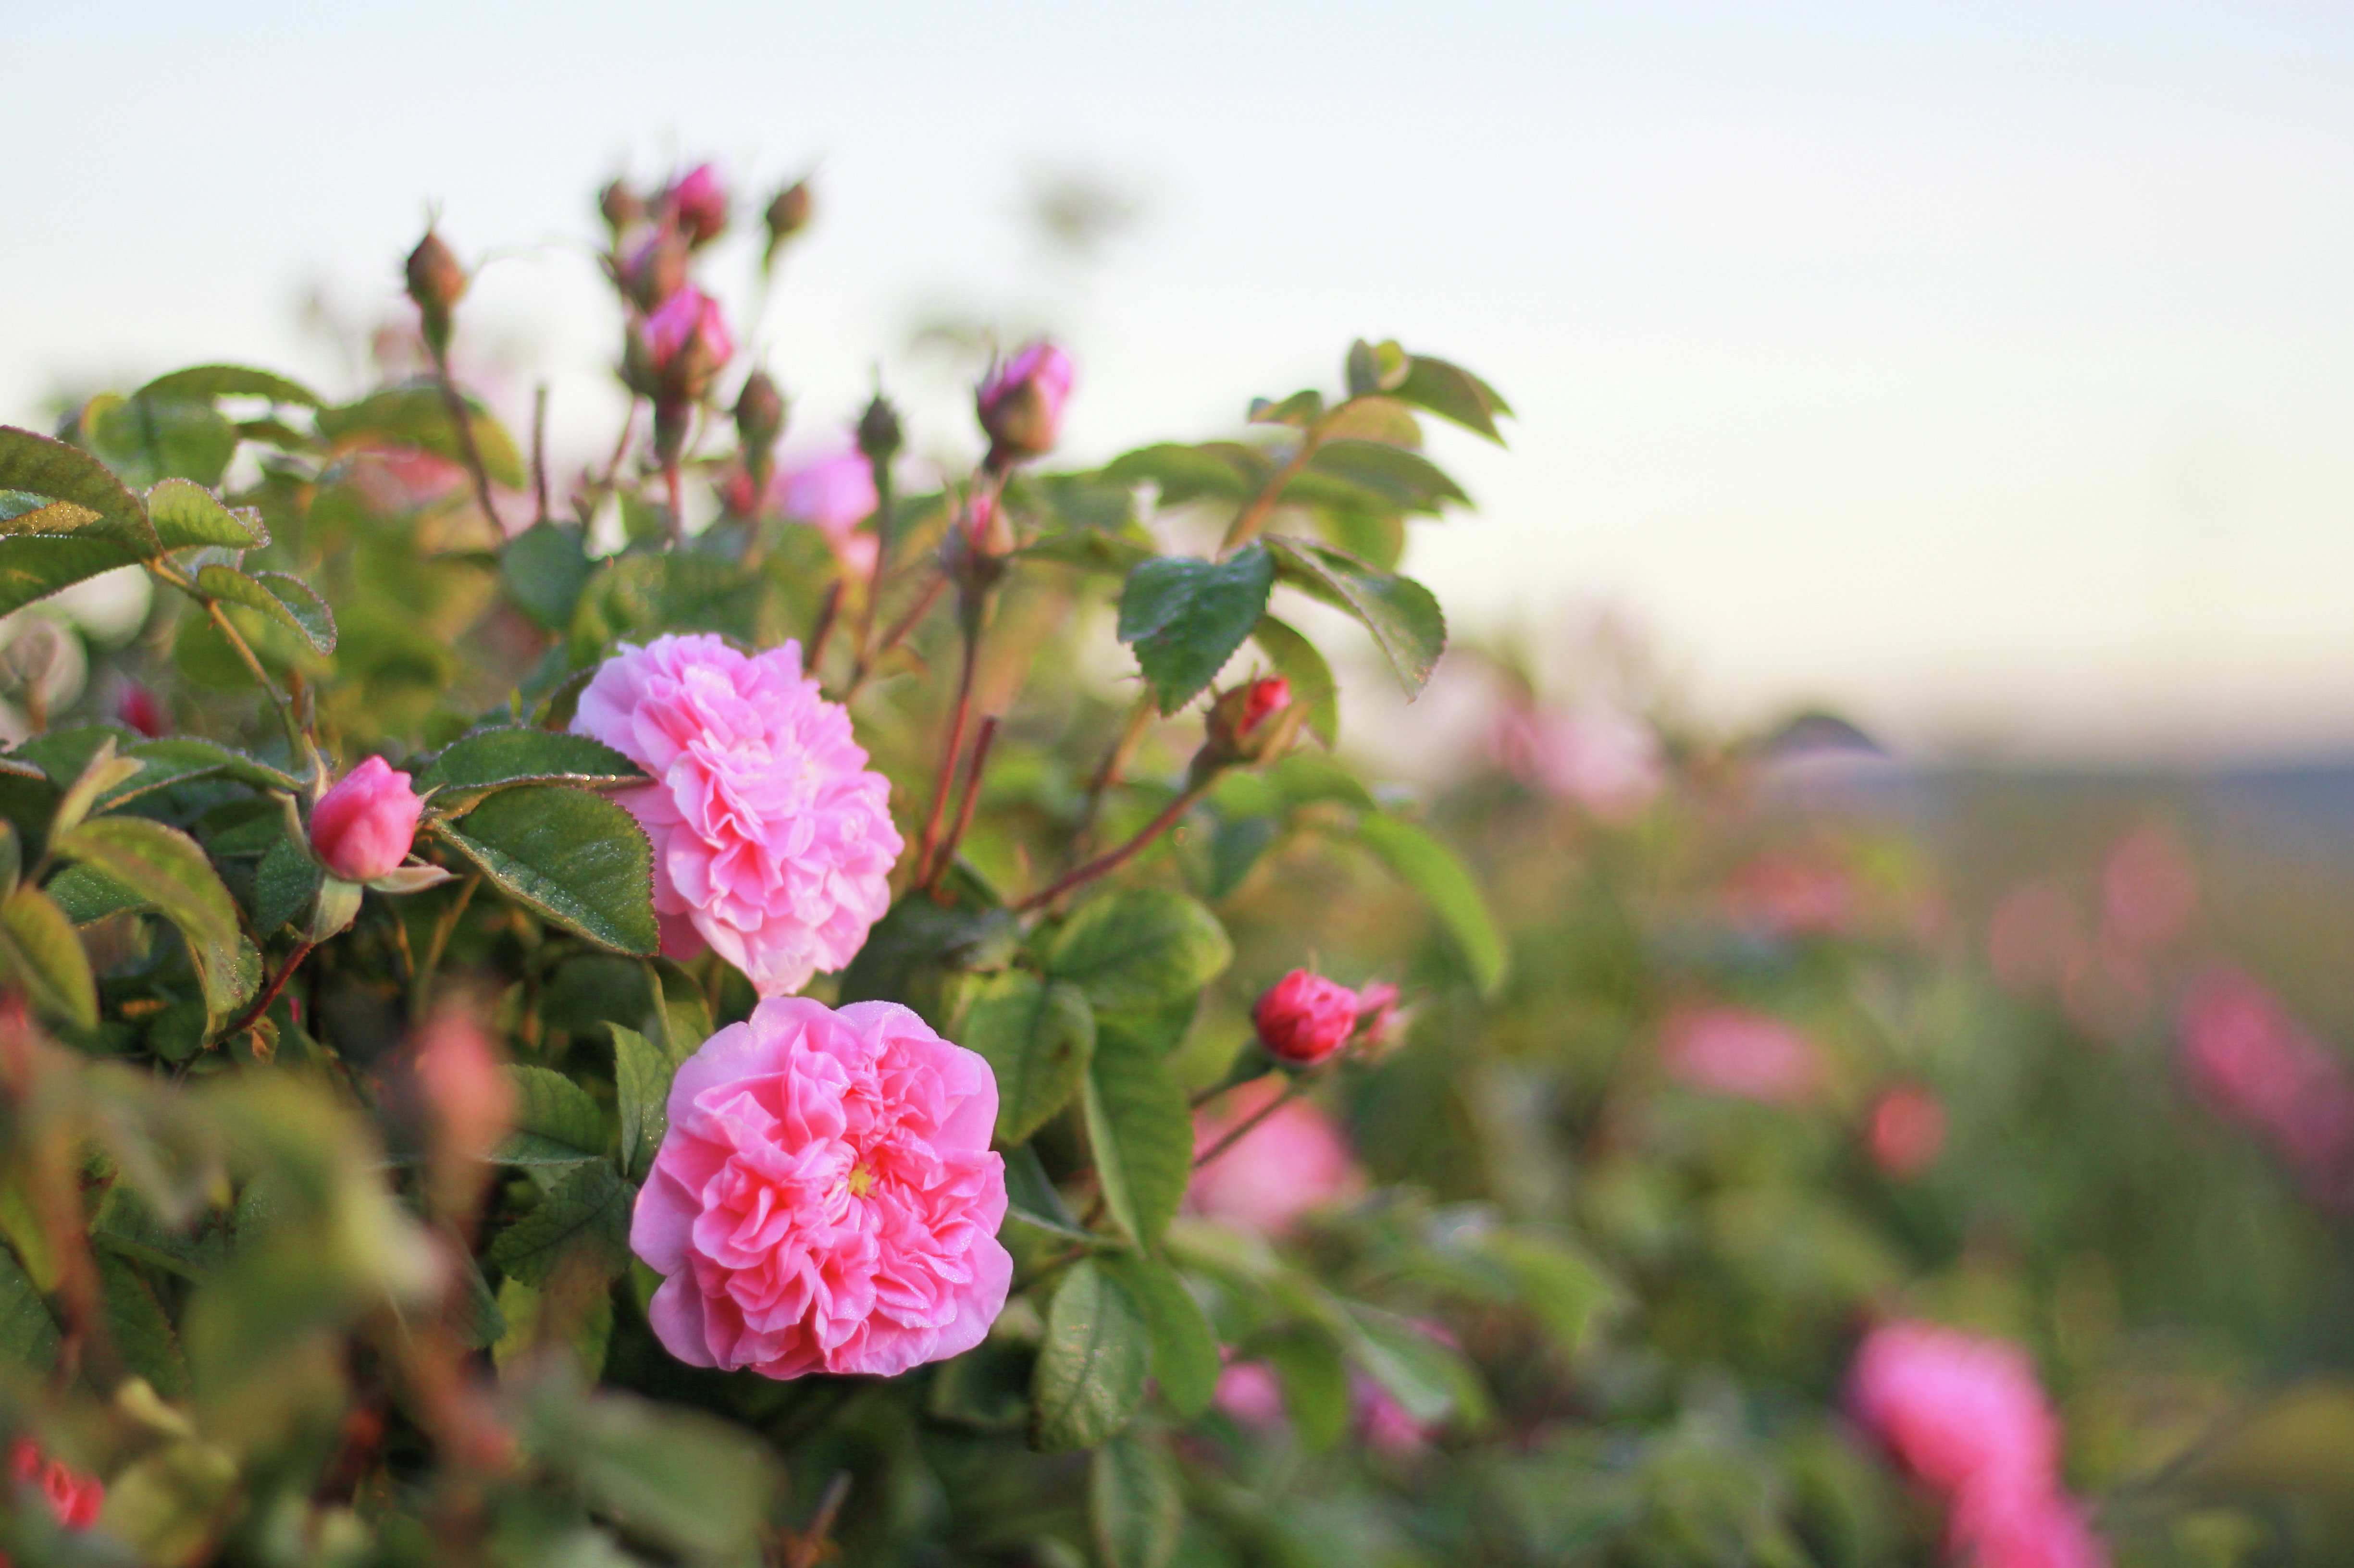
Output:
x,y
788,215
879,436
1021,403
620,205
437,282
697,205
759,420
1254,722
1304,1017
686,345
363,828
654,269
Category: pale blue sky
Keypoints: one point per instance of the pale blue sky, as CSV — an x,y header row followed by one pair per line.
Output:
x,y
1981,368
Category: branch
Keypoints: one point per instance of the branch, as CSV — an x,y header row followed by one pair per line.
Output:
x,y
1114,860
463,421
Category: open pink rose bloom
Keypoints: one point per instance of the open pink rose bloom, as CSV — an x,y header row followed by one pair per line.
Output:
x,y
825,1199
772,840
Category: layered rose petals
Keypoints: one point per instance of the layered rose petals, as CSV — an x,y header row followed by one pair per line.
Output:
x,y
825,1199
772,840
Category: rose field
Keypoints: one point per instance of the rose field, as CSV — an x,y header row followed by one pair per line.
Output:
x,y
800,992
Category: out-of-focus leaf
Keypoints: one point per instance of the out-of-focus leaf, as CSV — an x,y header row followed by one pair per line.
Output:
x,y
186,515
28,1334
1560,1285
473,765
555,1122
142,1333
1138,948
1031,1198
61,471
1141,1134
1405,480
46,958
545,566
585,1330
415,416
642,1071
1298,661
1428,866
168,870
1404,617
1184,1347
1134,1505
1300,409
1036,1036
170,1506
1315,1385
34,566
1089,549
288,600
690,1482
145,437
1186,617
572,856
1091,1368
1429,1381
583,1223
203,383
1453,394
1219,470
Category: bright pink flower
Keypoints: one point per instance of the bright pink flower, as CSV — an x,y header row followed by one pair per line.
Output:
x,y
1292,1163
142,710
1908,1131
363,828
698,204
1957,1410
74,1499
688,319
1248,1392
772,840
1603,757
2257,1066
1733,1050
2037,1526
825,1199
1304,1017
2149,890
1020,402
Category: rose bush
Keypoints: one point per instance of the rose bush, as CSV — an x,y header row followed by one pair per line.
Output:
x,y
674,1014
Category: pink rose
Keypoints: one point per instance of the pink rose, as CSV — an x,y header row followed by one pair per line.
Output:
x,y
1292,1163
1733,1050
363,828
833,494
825,1199
772,842
697,204
2258,1066
1908,1131
1304,1017
1957,1410
457,1067
1248,1392
1021,403
1603,757
2030,1526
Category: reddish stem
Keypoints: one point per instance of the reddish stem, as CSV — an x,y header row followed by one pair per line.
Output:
x,y
1113,860
948,753
1237,1133
965,806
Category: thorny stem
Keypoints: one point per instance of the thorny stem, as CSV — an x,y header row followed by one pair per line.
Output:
x,y
464,423
1253,518
420,990
244,1021
965,806
1242,1129
1113,860
957,719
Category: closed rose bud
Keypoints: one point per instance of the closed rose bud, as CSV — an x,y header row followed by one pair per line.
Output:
x,y
879,436
788,215
1021,403
1260,699
1304,1017
697,204
363,828
619,205
759,414
437,282
686,345
655,269
1254,722
140,708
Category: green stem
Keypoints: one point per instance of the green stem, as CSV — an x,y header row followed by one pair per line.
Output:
x,y
1252,519
462,421
420,990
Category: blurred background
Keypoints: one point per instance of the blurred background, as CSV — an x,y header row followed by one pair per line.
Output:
x,y
1977,372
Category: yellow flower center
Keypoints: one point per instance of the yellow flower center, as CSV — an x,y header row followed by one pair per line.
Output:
x,y
861,1178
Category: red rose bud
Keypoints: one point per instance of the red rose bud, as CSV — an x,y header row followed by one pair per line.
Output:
x,y
1021,403
142,710
437,284
620,207
1254,722
788,215
1304,1017
697,204
1908,1131
1261,698
686,345
363,828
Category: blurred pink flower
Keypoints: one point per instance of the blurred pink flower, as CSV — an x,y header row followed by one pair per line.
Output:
x,y
697,204
1908,1131
1750,1055
457,1067
74,1499
1382,1422
2255,1064
834,495
1304,1017
1785,895
826,1199
2149,891
773,841
1249,1392
1020,402
1292,1163
142,710
2039,1526
363,828
1601,757
2034,937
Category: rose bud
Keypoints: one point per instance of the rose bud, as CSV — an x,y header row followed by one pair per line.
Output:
x,y
654,269
74,1499
1254,722
687,343
1304,1017
697,204
619,205
759,420
879,436
1021,403
437,282
788,215
1379,1023
361,829
142,710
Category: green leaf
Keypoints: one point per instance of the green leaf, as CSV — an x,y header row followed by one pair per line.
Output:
x,y
46,958
555,1122
1297,660
203,383
1031,1198
167,869
1428,866
583,1223
1300,410
176,759
1036,1036
570,854
473,765
1089,1376
142,1333
288,600
642,1071
1142,1132
545,566
1404,617
1186,617
1184,1347
61,471
1138,948
1452,393
284,881
34,566
1428,1381
145,438
415,416
1090,550
1135,1508
1218,471
28,1333
698,1485
1315,1385
186,515
1559,1284
85,895
1405,480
